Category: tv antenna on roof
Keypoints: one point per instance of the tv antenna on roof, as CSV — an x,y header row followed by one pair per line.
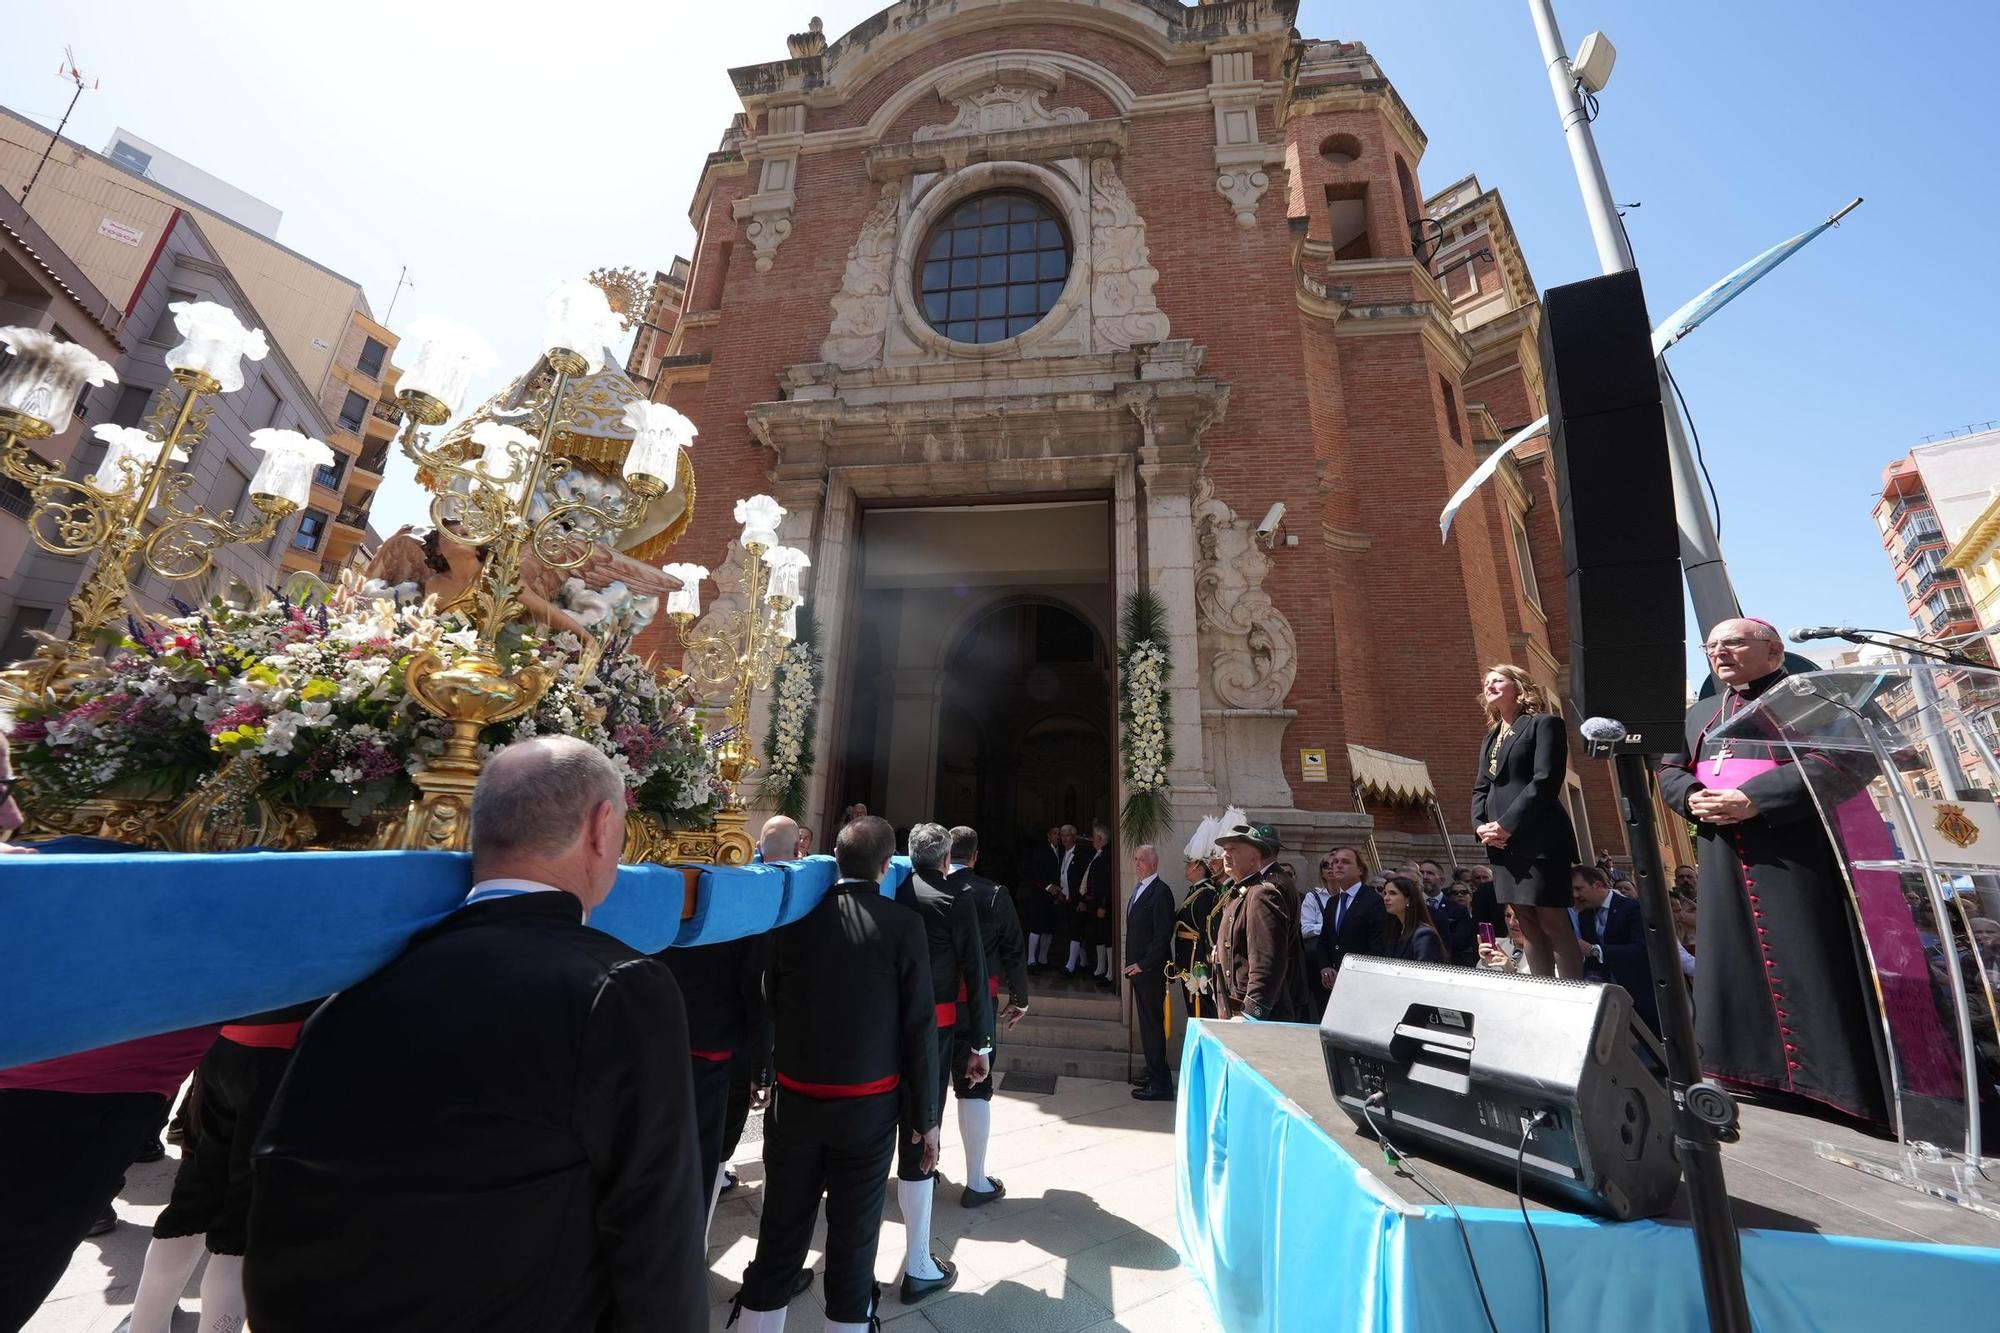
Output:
x,y
84,83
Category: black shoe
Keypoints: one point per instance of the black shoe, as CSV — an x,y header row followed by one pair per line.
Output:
x,y
151,1152
1106,983
1138,1080
916,1288
105,1224
800,1285
1152,1094
729,1181
972,1198
175,1134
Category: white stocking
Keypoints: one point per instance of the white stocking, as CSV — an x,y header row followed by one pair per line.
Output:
x,y
1075,954
222,1309
714,1197
1103,960
835,1326
763,1321
170,1263
915,1198
975,1124
1034,943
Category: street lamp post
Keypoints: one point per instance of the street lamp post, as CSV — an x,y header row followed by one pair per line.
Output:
x,y
1707,576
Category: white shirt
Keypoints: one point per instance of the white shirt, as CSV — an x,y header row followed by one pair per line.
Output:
x,y
1346,901
1312,912
1062,868
1138,890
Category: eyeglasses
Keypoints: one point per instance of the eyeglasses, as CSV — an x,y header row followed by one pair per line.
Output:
x,y
1732,645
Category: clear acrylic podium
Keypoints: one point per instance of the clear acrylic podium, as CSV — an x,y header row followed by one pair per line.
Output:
x,y
1904,784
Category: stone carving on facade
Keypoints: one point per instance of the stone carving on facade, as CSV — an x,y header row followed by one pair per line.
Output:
x,y
1123,311
1252,651
998,101
767,231
861,307
1243,187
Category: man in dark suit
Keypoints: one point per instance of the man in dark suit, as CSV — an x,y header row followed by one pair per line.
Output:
x,y
1455,926
1096,894
1149,931
1037,904
1006,957
958,984
1614,940
1355,919
496,1130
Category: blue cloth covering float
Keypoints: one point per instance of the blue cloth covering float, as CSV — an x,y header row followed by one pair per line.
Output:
x,y
1288,1232
101,948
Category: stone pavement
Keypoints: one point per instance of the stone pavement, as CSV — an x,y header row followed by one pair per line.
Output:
x,y
1084,1240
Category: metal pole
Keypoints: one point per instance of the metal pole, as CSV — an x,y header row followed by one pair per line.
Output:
x,y
1701,550
54,139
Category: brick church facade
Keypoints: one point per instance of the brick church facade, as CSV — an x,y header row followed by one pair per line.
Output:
x,y
1017,307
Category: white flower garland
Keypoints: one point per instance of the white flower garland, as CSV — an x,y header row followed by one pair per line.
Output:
x,y
1145,741
791,716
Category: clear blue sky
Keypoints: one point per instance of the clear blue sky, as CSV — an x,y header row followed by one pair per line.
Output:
x,y
495,156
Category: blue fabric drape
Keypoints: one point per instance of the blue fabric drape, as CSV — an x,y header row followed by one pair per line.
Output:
x,y
1286,1231
100,948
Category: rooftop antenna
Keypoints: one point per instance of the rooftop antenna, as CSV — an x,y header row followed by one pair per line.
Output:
x,y
84,83
402,281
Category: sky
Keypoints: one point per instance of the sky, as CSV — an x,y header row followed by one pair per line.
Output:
x,y
497,155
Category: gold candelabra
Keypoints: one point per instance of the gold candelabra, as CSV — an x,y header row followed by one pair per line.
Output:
x,y
489,502
106,513
742,651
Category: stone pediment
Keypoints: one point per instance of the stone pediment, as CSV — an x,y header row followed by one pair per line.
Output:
x,y
1000,97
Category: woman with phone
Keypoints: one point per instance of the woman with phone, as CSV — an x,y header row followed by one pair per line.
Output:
x,y
1517,811
1414,936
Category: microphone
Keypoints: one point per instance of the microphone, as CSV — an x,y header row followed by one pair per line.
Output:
x,y
1603,730
1805,634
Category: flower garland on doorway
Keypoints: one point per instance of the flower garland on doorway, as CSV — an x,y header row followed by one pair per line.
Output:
x,y
788,750
1145,715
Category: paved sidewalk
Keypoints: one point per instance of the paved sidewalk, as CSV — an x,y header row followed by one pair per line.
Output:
x,y
1084,1240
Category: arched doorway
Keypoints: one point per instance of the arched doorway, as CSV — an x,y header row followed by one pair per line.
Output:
x,y
1024,730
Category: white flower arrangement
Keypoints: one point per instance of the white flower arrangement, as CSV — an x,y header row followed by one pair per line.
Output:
x,y
788,749
1145,713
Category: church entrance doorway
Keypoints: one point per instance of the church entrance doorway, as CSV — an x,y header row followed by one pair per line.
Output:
x,y
981,690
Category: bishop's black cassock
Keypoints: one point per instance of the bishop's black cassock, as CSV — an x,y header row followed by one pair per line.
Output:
x,y
1782,992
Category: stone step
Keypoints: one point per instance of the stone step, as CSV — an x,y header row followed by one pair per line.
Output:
x,y
1064,1061
1084,1034
1073,1004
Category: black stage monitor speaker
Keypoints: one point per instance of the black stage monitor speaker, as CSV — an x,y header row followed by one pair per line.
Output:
x,y
1461,1059
1615,505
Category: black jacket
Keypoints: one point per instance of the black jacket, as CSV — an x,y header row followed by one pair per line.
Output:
x,y
1149,929
957,955
1042,870
1625,959
850,995
1366,929
1525,796
1092,869
722,987
495,1131
1457,930
1000,931
1422,946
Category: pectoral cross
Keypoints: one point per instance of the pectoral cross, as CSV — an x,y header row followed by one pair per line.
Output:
x,y
1721,756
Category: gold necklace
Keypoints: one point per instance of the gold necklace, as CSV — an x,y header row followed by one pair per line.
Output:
x,y
1500,739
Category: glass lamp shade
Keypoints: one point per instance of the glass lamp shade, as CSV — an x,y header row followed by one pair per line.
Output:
x,y
290,460
508,452
787,623
580,320
44,374
125,444
787,564
659,433
449,357
686,599
214,343
760,516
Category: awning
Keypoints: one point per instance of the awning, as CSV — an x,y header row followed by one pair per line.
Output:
x,y
1382,776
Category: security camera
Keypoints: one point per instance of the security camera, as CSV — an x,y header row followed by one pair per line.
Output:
x,y
1269,527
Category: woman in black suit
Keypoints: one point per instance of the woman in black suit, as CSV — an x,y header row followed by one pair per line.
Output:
x,y
1517,811
1417,938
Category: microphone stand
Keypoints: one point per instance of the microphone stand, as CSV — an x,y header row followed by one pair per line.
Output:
x,y
1704,1112
1909,644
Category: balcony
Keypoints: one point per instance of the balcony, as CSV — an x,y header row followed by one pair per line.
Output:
x,y
375,459
352,516
1906,505
1934,579
1916,539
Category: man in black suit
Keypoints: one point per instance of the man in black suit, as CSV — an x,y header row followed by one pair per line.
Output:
x,y
1037,904
1097,892
1355,919
1613,933
1149,931
1006,957
496,1130
958,985
1455,926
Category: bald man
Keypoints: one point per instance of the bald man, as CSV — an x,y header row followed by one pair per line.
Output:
x,y
1781,999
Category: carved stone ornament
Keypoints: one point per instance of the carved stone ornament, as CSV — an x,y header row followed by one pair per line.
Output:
x,y
1243,186
1253,654
996,100
767,231
861,307
1123,311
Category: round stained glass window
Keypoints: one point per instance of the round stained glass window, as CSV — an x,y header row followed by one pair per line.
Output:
x,y
993,268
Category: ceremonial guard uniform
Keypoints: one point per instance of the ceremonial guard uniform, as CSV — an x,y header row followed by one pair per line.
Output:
x,y
1194,944
722,986
1006,956
855,1052
1259,952
958,984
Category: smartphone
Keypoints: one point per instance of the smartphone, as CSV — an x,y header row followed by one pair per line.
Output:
x,y
1486,933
